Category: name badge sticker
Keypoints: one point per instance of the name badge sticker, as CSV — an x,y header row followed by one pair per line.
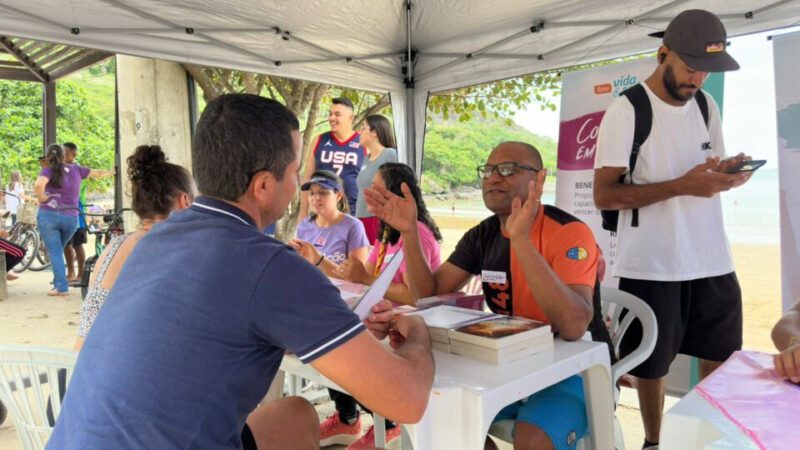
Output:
x,y
491,276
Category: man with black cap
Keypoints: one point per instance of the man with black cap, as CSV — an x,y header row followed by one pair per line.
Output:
x,y
671,247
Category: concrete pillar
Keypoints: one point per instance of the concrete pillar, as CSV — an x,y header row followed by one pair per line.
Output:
x,y
153,110
48,114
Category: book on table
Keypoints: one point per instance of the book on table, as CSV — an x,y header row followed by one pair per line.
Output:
x,y
485,336
500,332
440,319
501,340
503,355
360,301
458,299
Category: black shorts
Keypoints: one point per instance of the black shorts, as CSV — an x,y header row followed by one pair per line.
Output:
x,y
79,238
701,318
248,440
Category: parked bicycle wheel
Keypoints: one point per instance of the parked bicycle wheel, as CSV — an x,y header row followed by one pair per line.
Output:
x,y
42,260
28,240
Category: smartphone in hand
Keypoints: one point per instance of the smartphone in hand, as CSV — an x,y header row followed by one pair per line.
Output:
x,y
747,166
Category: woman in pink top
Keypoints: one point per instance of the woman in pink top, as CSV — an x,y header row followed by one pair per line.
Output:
x,y
343,427
392,176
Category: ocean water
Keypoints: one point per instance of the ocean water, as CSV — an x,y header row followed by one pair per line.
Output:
x,y
751,212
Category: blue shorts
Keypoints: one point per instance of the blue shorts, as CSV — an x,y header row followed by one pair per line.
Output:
x,y
559,410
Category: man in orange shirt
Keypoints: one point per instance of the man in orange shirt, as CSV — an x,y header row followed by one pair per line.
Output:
x,y
534,260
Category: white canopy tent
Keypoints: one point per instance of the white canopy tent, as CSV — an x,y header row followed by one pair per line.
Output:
x,y
366,44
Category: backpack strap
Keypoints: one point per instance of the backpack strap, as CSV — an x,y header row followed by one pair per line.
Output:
x,y
643,113
702,103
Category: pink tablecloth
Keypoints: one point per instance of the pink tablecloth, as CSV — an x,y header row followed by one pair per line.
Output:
x,y
749,393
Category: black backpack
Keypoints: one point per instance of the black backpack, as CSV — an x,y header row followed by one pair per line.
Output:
x,y
643,112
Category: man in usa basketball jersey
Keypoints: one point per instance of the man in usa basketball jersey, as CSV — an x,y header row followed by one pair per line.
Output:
x,y
338,151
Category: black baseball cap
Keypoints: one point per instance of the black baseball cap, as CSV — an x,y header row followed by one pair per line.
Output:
x,y
324,179
699,38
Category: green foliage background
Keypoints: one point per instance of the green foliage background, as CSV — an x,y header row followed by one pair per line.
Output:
x,y
463,125
454,148
85,116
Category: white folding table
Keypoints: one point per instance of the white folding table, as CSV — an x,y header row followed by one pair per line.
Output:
x,y
467,394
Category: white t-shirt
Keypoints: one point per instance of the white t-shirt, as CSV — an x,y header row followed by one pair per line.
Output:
x,y
13,202
681,238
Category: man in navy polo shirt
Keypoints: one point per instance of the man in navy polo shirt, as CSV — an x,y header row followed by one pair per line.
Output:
x,y
194,331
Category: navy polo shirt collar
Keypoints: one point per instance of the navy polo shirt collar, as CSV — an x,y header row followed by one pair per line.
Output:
x,y
216,207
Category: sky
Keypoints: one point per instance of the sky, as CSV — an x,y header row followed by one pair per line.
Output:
x,y
748,106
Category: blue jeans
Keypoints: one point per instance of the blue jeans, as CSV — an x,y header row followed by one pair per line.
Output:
x,y
56,230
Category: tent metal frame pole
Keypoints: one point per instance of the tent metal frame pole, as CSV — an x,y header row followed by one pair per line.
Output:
x,y
146,15
466,57
483,56
333,54
626,23
174,30
542,25
35,17
411,110
346,59
768,7
409,56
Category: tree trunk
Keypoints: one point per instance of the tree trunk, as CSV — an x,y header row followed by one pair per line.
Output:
x,y
288,223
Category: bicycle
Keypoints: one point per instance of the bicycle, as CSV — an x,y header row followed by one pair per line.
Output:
x,y
25,234
42,260
102,236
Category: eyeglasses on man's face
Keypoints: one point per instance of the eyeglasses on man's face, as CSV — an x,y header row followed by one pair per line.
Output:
x,y
504,169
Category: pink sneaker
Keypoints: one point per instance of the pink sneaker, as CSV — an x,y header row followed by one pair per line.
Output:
x,y
333,432
368,440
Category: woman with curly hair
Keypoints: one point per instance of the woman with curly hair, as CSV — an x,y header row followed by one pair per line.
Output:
x,y
157,189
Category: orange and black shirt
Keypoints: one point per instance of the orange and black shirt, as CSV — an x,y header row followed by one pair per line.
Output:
x,y
566,243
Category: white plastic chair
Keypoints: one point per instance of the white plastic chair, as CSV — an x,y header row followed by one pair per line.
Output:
x,y
614,302
30,389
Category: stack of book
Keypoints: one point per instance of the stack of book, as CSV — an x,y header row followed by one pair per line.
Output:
x,y
501,340
442,319
484,336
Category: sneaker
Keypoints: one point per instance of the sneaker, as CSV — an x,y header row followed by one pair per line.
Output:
x,y
333,432
368,440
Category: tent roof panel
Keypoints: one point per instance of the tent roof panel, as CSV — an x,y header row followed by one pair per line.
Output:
x,y
324,30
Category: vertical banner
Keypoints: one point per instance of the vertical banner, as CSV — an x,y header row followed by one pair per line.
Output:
x,y
585,96
786,47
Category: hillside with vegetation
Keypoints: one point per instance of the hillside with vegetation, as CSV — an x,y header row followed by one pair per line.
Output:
x,y
454,146
453,149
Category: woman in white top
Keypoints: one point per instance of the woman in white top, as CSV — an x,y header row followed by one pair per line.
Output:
x,y
17,190
378,138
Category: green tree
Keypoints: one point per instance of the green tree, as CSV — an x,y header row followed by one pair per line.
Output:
x,y
20,128
76,121
496,100
453,149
